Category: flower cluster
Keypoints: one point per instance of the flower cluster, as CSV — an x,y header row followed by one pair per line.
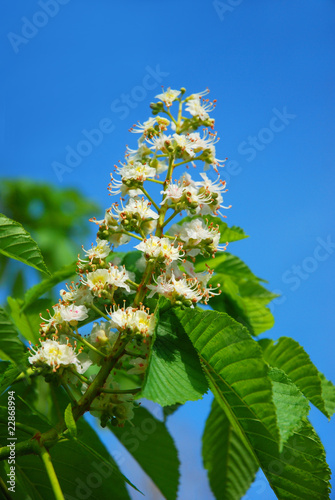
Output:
x,y
167,266
54,354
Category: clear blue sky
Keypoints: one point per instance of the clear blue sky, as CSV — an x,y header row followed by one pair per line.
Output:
x,y
269,64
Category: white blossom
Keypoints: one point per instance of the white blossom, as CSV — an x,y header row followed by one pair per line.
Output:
x,y
55,354
168,96
159,248
100,251
137,320
79,294
73,313
100,279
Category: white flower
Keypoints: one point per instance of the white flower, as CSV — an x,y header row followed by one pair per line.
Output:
x,y
79,294
143,129
173,193
53,321
137,320
100,251
73,313
55,354
118,277
138,172
101,278
159,142
174,289
159,248
196,235
138,207
184,143
168,96
195,108
102,334
97,280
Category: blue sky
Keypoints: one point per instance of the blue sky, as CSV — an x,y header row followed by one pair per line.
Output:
x,y
71,66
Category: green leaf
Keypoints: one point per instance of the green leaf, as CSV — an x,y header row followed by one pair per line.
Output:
x,y
228,264
8,375
28,322
16,243
291,406
80,470
328,394
289,356
170,410
153,448
242,297
238,377
230,464
233,359
70,421
11,348
174,374
47,284
301,470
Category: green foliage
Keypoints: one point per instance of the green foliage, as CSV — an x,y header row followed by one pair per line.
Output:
x,y
70,421
239,379
242,296
27,321
47,284
261,388
230,463
289,356
175,374
16,243
11,348
150,443
291,406
56,217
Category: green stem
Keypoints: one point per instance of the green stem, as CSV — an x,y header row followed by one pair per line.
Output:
x,y
167,112
150,199
26,428
130,234
170,218
69,393
122,391
96,309
154,180
46,459
187,161
81,377
136,285
179,116
87,344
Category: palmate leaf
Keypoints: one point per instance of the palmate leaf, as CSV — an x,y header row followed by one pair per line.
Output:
x,y
16,243
11,348
289,356
150,443
238,377
230,464
174,374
